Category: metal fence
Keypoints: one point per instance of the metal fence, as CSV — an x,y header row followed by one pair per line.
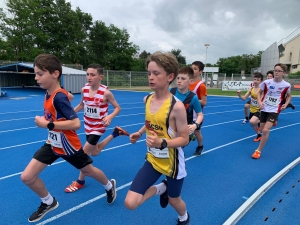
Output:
x,y
122,79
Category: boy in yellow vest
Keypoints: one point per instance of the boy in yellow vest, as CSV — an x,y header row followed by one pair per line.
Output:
x,y
166,130
254,116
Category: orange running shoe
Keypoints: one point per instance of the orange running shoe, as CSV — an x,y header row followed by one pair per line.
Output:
x,y
75,186
258,138
256,154
120,131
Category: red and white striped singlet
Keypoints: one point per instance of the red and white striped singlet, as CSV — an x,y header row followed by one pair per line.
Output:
x,y
94,111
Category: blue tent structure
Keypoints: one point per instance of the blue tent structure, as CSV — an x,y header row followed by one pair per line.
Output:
x,y
17,67
22,74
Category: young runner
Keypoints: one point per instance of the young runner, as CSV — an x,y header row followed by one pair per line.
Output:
x,y
94,101
166,130
273,92
61,121
199,88
189,99
254,109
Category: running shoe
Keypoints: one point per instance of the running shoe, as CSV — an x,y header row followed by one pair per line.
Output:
x,y
164,198
256,154
245,121
186,222
258,138
112,193
120,131
75,186
291,105
198,151
42,210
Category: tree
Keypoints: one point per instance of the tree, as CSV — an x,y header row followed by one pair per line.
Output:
x,y
235,64
31,27
179,57
35,26
230,65
138,65
98,44
144,55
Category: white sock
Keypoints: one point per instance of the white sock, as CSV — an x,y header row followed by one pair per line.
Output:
x,y
184,217
160,188
108,186
48,199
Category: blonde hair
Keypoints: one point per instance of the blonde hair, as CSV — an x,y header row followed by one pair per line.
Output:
x,y
165,60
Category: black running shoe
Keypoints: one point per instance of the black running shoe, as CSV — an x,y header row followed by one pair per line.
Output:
x,y
164,198
198,151
120,131
42,210
112,194
186,222
290,105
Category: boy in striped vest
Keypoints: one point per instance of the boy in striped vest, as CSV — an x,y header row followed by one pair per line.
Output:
x,y
94,102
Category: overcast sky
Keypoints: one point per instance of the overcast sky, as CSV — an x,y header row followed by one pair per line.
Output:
x,y
231,27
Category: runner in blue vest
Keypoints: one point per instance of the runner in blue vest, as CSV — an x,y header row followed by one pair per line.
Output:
x,y
189,99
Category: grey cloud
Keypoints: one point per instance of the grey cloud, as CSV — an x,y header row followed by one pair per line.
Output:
x,y
231,27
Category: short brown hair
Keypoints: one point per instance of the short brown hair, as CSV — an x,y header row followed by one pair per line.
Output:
x,y
199,64
187,70
165,60
48,62
97,67
270,72
283,66
258,75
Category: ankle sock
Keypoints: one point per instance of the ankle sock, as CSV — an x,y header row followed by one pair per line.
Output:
x,y
48,199
184,217
82,182
160,188
108,186
115,134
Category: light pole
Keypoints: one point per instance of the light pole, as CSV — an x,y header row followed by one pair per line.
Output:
x,y
206,45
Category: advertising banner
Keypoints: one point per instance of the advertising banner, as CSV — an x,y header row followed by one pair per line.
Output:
x,y
236,85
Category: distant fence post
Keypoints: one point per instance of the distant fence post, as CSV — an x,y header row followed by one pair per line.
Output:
x,y
107,78
130,78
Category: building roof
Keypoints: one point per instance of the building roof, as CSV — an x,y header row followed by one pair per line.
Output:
x,y
28,67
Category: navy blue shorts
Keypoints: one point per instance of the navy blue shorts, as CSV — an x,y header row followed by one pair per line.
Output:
x,y
92,138
46,155
147,176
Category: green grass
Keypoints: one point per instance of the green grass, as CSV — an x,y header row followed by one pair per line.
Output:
x,y
210,91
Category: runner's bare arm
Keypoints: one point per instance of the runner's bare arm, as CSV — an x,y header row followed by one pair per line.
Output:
x,y
179,115
80,106
245,96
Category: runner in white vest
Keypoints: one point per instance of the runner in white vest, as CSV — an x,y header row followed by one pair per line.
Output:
x,y
273,92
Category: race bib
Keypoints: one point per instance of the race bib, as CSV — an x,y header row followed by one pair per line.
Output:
x,y
254,102
157,153
55,139
270,100
92,112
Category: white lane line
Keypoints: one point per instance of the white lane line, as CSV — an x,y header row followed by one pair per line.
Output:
x,y
63,161
29,143
127,184
244,208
